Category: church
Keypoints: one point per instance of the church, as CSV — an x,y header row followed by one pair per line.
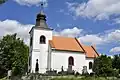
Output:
x,y
48,52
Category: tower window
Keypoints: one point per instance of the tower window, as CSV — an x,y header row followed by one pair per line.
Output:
x,y
31,40
90,65
42,39
71,61
30,61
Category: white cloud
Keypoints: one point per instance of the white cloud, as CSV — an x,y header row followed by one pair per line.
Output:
x,y
115,50
13,26
92,39
31,2
117,20
74,32
98,9
84,38
107,37
114,36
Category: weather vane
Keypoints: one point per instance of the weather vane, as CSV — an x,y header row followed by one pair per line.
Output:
x,y
42,5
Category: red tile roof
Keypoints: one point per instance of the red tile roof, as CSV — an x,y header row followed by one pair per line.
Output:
x,y
72,44
90,51
65,43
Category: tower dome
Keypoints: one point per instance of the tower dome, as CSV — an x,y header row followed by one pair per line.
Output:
x,y
41,19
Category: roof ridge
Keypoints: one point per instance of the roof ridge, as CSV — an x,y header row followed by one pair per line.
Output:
x,y
80,45
95,50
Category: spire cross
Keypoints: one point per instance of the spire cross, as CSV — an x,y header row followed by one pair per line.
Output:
x,y
42,5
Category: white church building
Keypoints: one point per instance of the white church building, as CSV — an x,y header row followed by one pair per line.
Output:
x,y
53,52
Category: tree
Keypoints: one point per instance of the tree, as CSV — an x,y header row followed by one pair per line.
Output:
x,y
103,66
2,1
116,62
13,55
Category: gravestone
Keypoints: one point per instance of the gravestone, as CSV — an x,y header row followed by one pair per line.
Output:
x,y
9,74
84,71
62,69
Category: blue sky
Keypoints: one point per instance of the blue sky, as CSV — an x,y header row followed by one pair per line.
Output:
x,y
93,22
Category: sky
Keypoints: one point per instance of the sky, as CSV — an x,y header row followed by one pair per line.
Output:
x,y
93,22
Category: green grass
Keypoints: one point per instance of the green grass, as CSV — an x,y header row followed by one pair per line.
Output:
x,y
81,78
74,78
4,78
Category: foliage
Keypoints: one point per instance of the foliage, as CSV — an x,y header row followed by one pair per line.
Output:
x,y
13,55
103,66
82,78
116,62
5,78
2,1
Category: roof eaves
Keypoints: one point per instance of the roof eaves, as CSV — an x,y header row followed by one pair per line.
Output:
x,y
65,50
51,44
31,29
90,57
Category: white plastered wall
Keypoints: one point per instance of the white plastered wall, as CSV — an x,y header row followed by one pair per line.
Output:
x,y
40,51
87,63
60,58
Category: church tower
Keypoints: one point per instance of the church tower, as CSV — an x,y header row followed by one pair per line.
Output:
x,y
40,35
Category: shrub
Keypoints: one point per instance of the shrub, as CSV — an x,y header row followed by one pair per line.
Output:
x,y
92,74
76,74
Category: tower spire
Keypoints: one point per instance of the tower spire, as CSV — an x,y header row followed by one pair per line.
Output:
x,y
42,7
41,18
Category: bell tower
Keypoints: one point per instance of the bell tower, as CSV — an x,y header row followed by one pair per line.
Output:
x,y
40,34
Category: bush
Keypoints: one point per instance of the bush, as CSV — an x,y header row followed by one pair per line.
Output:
x,y
85,74
83,78
76,74
92,74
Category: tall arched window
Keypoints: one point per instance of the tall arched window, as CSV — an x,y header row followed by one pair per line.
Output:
x,y
29,60
31,40
42,39
90,65
71,61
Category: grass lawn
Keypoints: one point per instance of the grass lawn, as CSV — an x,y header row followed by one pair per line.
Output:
x,y
83,78
72,78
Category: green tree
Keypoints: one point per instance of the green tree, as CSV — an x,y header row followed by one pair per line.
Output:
x,y
103,66
116,62
13,55
2,1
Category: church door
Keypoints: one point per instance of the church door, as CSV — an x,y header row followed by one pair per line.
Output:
x,y
70,63
37,66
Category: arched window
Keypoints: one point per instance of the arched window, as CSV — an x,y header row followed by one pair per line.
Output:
x,y
31,40
90,65
29,60
42,39
71,61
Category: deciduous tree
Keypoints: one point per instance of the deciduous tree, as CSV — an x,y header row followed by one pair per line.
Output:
x,y
103,66
13,55
2,1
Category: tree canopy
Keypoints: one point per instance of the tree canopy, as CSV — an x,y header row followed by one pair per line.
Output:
x,y
102,65
106,66
13,55
2,1
116,62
